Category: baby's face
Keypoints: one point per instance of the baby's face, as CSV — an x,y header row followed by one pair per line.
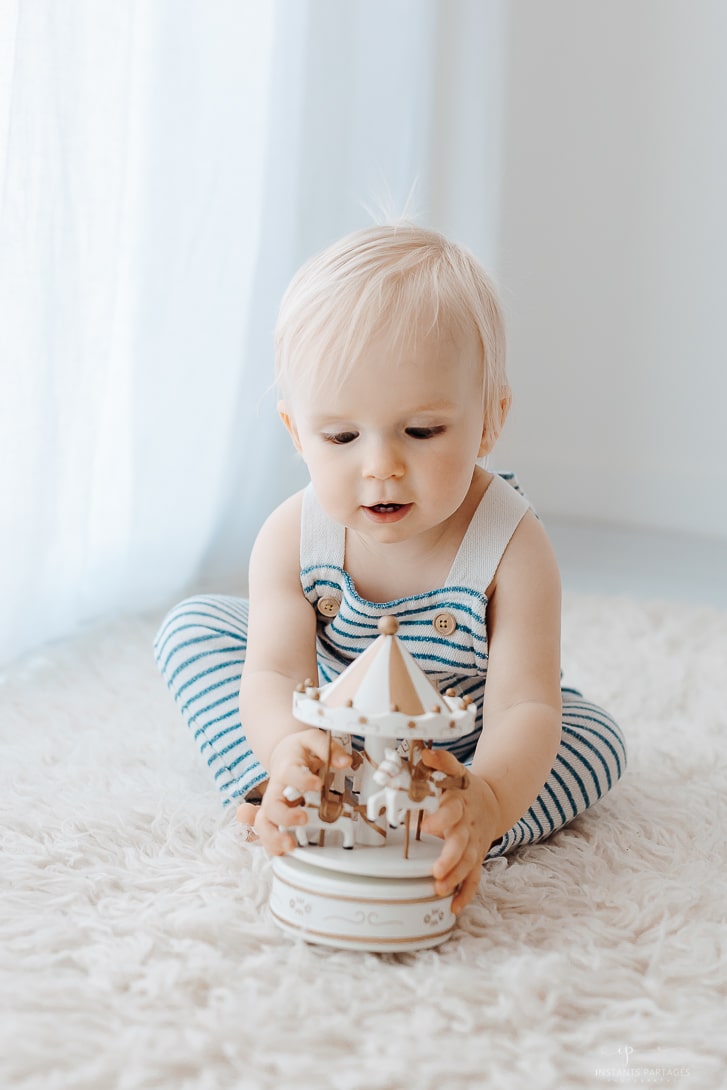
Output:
x,y
392,450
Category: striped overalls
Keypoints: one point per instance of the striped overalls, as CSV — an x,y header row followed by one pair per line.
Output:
x,y
201,645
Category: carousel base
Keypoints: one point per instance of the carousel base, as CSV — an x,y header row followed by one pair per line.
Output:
x,y
366,898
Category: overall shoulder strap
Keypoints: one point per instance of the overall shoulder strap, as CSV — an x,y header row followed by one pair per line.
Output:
x,y
488,535
322,541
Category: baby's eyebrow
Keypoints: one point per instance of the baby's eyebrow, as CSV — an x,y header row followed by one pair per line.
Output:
x,y
429,408
329,420
434,407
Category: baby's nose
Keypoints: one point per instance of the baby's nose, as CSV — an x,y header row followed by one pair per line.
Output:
x,y
383,461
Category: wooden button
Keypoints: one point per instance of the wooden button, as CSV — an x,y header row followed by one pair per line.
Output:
x,y
444,624
328,607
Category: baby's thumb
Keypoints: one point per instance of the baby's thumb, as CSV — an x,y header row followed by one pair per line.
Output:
x,y
340,758
441,759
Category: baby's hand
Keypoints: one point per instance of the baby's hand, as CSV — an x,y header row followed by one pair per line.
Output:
x,y
467,822
295,763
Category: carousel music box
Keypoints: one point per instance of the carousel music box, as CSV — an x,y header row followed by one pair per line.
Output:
x,y
361,876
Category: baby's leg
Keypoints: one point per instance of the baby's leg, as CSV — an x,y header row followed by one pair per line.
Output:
x,y
591,759
200,650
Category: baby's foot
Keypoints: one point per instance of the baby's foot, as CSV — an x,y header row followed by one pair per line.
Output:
x,y
246,813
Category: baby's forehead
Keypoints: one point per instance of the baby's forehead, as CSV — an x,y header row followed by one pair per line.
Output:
x,y
424,373
398,343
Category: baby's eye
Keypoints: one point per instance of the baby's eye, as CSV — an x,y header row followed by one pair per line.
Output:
x,y
341,437
425,433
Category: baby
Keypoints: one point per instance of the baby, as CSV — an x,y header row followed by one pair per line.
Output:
x,y
390,363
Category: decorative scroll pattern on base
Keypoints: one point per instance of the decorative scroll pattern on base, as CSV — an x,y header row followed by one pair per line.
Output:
x,y
397,920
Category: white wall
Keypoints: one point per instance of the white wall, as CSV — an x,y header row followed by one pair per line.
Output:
x,y
613,259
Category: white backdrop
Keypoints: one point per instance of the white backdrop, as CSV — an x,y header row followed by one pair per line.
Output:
x,y
165,169
613,260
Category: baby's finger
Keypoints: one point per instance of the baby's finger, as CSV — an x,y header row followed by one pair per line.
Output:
x,y
459,874
317,742
448,814
453,862
443,761
294,781
275,841
287,811
467,890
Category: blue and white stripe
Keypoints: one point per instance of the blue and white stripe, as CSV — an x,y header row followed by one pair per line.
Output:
x,y
458,661
200,650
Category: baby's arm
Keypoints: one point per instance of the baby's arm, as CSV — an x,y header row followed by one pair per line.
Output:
x,y
522,713
281,652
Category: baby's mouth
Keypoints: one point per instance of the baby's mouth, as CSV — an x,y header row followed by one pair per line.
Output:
x,y
387,512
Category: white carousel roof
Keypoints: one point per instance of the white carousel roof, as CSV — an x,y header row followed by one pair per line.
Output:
x,y
385,692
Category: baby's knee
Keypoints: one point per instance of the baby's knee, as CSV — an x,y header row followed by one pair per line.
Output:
x,y
593,745
202,624
191,611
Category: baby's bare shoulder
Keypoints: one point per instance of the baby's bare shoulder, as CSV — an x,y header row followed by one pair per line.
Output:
x,y
529,560
286,516
277,545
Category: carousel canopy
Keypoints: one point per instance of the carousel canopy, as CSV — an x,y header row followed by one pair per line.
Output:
x,y
385,692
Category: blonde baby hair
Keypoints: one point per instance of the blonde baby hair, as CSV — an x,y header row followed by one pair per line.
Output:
x,y
399,279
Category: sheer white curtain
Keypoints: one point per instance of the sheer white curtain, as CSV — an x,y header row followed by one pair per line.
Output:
x,y
165,168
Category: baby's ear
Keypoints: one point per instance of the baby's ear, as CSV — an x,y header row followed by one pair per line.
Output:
x,y
287,419
492,434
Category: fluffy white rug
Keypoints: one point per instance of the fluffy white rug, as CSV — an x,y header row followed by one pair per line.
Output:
x,y
136,950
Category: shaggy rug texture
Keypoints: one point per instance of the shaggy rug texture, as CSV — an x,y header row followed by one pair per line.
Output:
x,y
136,950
